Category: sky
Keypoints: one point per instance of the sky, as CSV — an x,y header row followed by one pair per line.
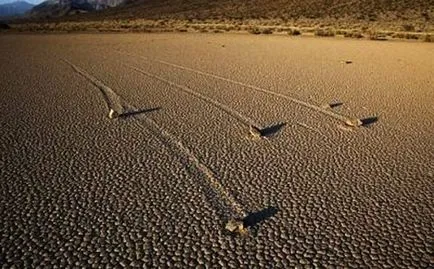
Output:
x,y
29,1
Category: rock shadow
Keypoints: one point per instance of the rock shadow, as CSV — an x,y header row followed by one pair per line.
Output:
x,y
335,104
138,112
269,131
369,121
255,218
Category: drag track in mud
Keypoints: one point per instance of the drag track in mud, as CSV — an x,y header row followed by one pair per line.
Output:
x,y
207,128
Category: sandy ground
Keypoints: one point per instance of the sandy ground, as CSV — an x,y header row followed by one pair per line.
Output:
x,y
156,186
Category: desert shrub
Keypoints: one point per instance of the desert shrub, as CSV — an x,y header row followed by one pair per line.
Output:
x,y
125,26
4,26
254,30
374,35
412,36
324,32
353,34
309,30
405,36
217,31
428,38
267,31
389,33
283,29
398,35
408,27
162,22
221,27
145,30
230,28
294,32
372,17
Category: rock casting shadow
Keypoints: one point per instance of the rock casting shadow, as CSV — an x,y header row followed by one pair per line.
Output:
x,y
138,112
368,121
256,217
335,104
272,130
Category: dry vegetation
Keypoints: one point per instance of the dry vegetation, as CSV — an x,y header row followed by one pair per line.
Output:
x,y
4,26
376,20
154,26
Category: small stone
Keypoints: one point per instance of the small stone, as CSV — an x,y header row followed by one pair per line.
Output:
x,y
354,122
113,114
236,226
254,131
233,225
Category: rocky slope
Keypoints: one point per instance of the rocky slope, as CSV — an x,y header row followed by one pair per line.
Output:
x,y
58,8
279,9
340,17
356,14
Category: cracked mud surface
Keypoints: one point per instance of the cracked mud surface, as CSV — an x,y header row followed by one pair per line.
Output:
x,y
156,187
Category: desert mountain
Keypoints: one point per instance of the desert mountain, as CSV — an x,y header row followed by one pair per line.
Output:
x,y
58,8
277,9
14,8
147,15
33,2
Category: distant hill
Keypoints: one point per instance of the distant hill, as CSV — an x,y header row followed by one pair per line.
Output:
x,y
276,9
59,8
365,16
345,13
14,9
33,2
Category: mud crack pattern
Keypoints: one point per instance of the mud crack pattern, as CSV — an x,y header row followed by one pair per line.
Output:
x,y
78,189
